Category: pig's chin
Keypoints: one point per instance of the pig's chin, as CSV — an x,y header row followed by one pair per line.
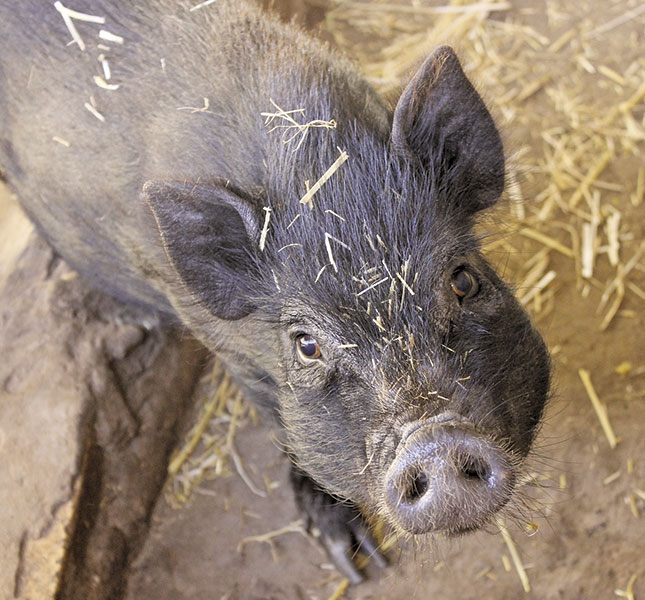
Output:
x,y
455,530
464,529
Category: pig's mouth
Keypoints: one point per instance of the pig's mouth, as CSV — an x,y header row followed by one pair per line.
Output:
x,y
460,530
446,476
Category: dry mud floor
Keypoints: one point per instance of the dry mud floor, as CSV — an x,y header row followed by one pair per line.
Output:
x,y
581,534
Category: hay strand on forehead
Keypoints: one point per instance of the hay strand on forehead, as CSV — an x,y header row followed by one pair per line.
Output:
x,y
335,214
372,286
329,237
515,556
294,245
599,407
275,280
293,221
322,269
265,227
283,114
406,285
289,123
307,198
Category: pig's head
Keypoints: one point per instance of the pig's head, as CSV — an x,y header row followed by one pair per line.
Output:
x,y
407,377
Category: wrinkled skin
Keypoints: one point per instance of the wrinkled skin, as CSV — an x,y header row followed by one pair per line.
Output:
x,y
401,369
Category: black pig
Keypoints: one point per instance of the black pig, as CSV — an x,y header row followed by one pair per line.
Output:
x,y
408,381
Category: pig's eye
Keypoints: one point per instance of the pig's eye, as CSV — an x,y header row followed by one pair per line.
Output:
x,y
463,283
308,348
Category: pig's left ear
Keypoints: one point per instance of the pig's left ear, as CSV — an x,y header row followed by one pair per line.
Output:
x,y
208,233
441,122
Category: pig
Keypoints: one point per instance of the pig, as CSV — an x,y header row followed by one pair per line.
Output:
x,y
357,312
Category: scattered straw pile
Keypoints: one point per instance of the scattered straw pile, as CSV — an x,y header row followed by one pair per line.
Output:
x,y
209,448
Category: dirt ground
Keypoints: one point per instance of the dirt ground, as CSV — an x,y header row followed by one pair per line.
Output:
x,y
579,523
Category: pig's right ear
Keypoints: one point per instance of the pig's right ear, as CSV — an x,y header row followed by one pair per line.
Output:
x,y
209,234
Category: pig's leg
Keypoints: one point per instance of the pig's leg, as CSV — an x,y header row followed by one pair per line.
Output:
x,y
343,530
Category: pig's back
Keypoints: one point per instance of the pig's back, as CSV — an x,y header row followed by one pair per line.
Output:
x,y
191,89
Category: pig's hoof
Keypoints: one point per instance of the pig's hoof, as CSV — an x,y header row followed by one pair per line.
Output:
x,y
343,531
345,535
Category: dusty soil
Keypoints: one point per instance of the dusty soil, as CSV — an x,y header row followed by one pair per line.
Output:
x,y
580,528
92,398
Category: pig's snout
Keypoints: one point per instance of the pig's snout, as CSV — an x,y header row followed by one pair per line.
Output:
x,y
446,476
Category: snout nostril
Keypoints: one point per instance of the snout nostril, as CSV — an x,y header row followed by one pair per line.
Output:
x,y
475,468
418,487
447,476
